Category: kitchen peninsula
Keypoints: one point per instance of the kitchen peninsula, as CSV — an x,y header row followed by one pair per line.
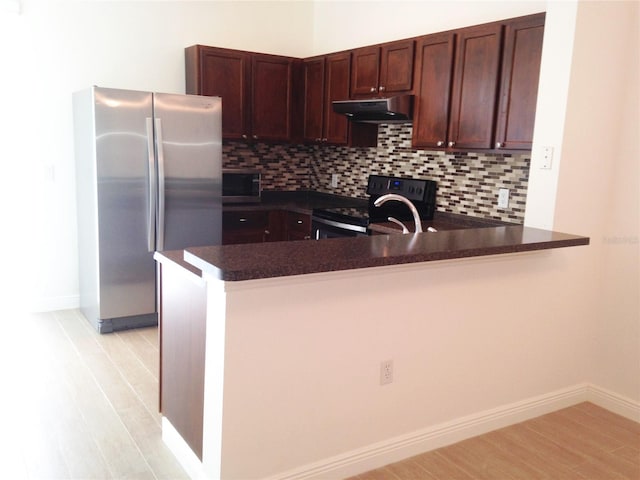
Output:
x,y
270,352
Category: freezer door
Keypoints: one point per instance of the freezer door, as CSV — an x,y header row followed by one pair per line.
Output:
x,y
125,216
189,151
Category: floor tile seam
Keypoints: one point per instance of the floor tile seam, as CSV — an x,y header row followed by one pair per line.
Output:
x,y
80,411
389,472
593,429
121,373
112,406
614,474
420,466
550,440
137,357
455,466
624,424
530,460
133,390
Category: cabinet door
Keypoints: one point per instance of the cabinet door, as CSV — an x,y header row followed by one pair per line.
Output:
x,y
396,67
271,82
519,89
313,99
366,72
224,73
338,71
475,83
434,69
297,226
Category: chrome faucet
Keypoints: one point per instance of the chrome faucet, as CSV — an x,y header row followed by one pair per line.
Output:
x,y
394,196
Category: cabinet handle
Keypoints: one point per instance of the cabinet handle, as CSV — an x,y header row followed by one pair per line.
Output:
x,y
242,220
255,137
382,89
267,232
440,143
307,237
244,136
324,139
373,89
299,222
499,144
451,144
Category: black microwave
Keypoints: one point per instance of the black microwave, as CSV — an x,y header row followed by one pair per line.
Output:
x,y
240,185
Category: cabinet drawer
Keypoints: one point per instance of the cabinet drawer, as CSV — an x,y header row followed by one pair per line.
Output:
x,y
245,219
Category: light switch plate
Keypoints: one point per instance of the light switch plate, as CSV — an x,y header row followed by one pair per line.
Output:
x,y
503,198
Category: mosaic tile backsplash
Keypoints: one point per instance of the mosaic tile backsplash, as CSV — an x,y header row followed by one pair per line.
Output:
x,y
468,183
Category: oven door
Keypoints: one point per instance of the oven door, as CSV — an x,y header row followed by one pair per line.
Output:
x,y
324,228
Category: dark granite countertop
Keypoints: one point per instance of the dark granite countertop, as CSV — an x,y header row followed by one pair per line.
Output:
x,y
280,259
302,201
441,221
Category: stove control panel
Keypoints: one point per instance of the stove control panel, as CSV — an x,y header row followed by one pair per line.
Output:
x,y
414,189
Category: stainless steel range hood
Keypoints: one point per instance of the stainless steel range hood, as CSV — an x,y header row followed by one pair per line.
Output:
x,y
377,110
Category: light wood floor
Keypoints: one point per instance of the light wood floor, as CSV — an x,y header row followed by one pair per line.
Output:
x,y
78,405
576,443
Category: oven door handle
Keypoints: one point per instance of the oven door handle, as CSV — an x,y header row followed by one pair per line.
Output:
x,y
344,226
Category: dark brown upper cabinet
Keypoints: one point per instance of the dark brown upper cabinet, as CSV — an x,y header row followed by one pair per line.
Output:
x,y
457,76
256,90
383,69
519,87
327,79
434,72
475,87
314,99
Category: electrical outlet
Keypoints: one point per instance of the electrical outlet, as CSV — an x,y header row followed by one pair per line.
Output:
x,y
503,198
386,372
334,179
547,157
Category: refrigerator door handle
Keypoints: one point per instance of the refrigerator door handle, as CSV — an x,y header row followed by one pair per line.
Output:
x,y
151,232
161,185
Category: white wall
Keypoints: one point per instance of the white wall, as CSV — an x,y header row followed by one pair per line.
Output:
x,y
345,24
55,47
599,185
466,337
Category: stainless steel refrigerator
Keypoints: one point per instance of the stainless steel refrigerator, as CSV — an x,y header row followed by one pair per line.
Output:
x,y
149,177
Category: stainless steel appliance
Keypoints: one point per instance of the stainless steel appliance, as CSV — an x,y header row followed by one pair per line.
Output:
x,y
149,169
377,110
241,185
353,220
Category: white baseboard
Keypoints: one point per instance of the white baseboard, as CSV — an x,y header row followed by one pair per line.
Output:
x,y
405,446
614,403
181,450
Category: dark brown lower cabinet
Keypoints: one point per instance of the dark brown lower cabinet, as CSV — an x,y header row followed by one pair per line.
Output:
x,y
296,226
182,351
251,226
257,226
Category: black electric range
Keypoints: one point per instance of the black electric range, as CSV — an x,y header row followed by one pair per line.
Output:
x,y
351,221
